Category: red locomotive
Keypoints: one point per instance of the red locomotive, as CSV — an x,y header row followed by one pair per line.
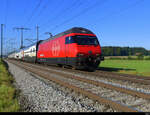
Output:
x,y
76,47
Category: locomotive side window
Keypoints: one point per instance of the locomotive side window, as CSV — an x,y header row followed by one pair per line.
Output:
x,y
69,40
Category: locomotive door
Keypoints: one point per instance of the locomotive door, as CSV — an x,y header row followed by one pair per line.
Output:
x,y
67,42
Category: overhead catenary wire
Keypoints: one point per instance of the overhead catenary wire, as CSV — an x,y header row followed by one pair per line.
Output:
x,y
80,13
33,12
116,13
70,19
112,13
62,2
62,12
75,4
87,9
41,11
6,13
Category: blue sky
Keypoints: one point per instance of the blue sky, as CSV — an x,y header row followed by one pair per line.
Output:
x,y
115,22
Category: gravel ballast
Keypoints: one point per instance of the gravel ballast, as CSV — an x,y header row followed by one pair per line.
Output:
x,y
39,95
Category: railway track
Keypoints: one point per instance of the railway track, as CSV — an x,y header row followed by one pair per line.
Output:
x,y
135,79
101,84
125,79
124,75
44,72
122,80
103,74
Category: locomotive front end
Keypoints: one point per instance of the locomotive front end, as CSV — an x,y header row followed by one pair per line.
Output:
x,y
89,52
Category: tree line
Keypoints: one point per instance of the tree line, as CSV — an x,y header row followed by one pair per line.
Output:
x,y
123,51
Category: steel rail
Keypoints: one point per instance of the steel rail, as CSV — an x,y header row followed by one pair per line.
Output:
x,y
124,75
134,80
114,105
97,83
118,76
114,76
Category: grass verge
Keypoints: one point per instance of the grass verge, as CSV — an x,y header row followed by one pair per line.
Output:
x,y
8,97
136,67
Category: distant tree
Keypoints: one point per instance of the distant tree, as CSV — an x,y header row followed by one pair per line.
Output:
x,y
123,51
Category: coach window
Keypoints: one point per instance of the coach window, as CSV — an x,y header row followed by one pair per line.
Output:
x,y
33,50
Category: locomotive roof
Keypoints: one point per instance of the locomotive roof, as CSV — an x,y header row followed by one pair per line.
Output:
x,y
72,30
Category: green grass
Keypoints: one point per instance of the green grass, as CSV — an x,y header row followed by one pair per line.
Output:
x,y
126,57
8,100
137,67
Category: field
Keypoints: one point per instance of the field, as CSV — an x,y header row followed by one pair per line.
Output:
x,y
136,67
126,57
8,101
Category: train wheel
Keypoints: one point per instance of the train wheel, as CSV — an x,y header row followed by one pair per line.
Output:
x,y
91,69
74,68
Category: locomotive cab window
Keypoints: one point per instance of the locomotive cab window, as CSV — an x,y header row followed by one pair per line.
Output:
x,y
67,40
82,40
86,40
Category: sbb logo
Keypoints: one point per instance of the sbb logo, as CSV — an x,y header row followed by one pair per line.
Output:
x,y
55,48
